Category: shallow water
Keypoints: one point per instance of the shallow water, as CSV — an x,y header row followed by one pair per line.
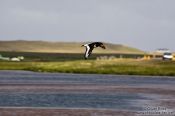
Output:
x,y
83,99
110,101
61,78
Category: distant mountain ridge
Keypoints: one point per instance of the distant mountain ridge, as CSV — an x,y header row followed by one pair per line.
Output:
x,y
61,47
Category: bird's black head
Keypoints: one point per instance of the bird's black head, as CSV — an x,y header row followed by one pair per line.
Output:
x,y
100,44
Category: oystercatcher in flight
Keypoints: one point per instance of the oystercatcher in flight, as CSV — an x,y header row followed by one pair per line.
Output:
x,y
91,46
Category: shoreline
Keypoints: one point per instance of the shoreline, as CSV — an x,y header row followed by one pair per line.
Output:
x,y
63,112
108,74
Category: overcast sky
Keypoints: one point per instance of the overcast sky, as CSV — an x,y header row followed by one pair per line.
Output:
x,y
144,24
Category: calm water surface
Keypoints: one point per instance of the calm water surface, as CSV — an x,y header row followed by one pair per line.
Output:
x,y
115,100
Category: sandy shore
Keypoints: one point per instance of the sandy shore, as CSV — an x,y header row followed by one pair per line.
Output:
x,y
158,89
61,112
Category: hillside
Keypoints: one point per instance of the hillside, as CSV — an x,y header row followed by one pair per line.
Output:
x,y
61,47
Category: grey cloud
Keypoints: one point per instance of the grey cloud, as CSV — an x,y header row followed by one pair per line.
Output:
x,y
145,24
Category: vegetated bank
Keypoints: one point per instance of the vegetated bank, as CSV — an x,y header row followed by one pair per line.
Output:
x,y
114,66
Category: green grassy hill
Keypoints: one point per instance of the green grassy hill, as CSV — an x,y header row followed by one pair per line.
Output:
x,y
61,47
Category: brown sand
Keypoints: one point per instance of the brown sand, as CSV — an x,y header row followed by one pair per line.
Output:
x,y
61,112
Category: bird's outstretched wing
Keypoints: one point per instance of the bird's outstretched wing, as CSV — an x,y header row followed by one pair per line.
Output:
x,y
90,51
87,52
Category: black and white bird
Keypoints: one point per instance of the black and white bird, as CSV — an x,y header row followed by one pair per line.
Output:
x,y
91,46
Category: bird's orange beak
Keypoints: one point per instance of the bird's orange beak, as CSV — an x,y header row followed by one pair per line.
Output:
x,y
102,46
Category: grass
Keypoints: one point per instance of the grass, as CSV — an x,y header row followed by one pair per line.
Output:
x,y
75,63
33,56
115,66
